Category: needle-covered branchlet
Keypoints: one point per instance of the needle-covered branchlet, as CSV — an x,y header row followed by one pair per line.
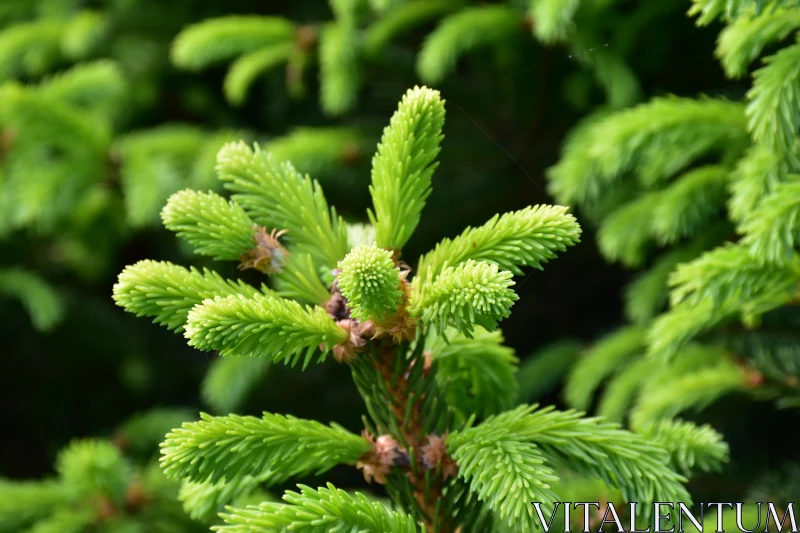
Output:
x,y
423,348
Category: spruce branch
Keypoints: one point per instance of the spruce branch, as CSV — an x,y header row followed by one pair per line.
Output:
x,y
340,74
590,447
462,32
526,238
263,326
553,18
401,18
215,40
653,140
232,447
91,467
403,166
276,196
167,292
689,391
23,503
743,40
773,228
707,11
215,226
468,295
600,361
477,375
690,203
204,501
247,68
317,511
300,280
371,283
505,473
756,175
774,101
730,274
691,447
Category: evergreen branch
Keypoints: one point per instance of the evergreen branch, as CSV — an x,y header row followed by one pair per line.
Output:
x,y
648,293
75,520
230,379
743,40
94,85
625,235
462,32
299,280
540,372
730,274
156,163
645,373
167,292
262,326
477,375
370,281
215,226
318,151
552,18
773,228
774,101
730,10
247,68
654,140
689,204
601,361
30,48
93,467
23,503
691,447
526,238
204,501
218,39
317,511
671,331
84,34
403,166
43,302
694,390
277,196
754,177
472,293
232,447
505,473
340,76
623,388
402,18
592,447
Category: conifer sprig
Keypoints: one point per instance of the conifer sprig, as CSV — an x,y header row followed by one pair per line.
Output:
x,y
167,292
275,195
472,293
222,38
317,511
526,238
403,166
213,225
230,447
262,326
